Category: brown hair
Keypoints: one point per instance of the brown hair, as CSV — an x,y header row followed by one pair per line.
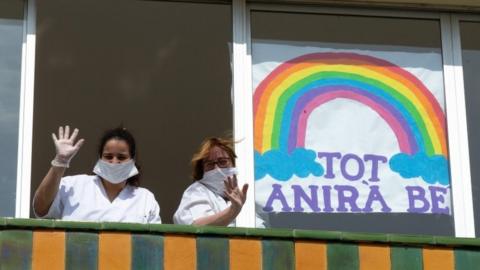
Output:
x,y
202,153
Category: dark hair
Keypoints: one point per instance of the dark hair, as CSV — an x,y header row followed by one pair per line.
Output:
x,y
205,147
122,134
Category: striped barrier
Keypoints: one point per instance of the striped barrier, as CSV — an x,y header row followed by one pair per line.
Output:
x,y
36,244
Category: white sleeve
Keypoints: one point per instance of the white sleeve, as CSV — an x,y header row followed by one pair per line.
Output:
x,y
154,212
56,209
194,205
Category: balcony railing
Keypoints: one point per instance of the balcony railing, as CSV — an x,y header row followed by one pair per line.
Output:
x,y
48,244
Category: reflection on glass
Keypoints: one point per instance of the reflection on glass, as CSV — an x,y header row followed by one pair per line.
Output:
x,y
349,124
470,38
11,29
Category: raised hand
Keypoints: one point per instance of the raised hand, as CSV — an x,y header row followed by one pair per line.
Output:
x,y
236,195
65,146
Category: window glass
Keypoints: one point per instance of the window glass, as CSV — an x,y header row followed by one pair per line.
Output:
x,y
11,35
161,69
471,63
349,124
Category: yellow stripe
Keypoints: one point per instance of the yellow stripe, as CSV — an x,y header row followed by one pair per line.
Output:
x,y
310,255
180,252
438,259
374,257
245,254
114,250
48,251
297,76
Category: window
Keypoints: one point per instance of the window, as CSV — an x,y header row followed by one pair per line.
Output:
x,y
161,69
11,37
471,63
349,123
164,70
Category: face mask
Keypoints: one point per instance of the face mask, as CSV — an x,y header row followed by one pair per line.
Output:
x,y
115,173
213,179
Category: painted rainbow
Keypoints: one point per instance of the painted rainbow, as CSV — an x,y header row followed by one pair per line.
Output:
x,y
284,100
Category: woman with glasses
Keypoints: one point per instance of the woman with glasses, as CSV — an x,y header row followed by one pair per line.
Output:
x,y
112,193
214,198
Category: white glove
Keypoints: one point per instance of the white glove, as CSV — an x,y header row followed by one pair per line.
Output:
x,y
65,147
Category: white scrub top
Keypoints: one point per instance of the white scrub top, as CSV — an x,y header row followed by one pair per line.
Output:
x,y
199,201
83,198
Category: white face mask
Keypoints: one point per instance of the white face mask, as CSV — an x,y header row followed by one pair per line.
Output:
x,y
213,179
115,173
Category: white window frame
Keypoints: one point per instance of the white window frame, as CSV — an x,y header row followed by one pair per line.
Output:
x,y
243,108
462,120
457,128
25,125
462,203
243,104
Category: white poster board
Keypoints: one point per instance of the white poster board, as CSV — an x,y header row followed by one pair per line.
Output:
x,y
343,130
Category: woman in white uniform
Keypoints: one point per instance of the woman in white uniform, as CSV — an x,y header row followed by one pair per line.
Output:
x,y
214,198
111,194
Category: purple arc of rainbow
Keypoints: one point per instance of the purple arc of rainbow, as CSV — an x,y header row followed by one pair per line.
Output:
x,y
315,98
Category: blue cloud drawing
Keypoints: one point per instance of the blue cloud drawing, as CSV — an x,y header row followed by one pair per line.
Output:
x,y
281,165
432,169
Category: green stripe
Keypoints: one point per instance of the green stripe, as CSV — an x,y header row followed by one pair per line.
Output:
x,y
288,234
15,249
278,255
294,88
342,256
212,253
467,259
147,251
406,258
82,250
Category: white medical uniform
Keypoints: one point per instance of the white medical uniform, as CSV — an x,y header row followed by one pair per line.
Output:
x,y
83,198
199,201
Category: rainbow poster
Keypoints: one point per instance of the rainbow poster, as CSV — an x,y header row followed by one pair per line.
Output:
x,y
359,130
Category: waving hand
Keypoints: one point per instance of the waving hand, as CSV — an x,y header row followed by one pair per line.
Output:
x,y
65,146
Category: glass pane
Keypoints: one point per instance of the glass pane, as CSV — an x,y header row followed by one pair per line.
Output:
x,y
162,69
11,35
350,124
470,39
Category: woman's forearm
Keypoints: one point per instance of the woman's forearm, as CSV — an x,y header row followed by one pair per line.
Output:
x,y
47,190
222,218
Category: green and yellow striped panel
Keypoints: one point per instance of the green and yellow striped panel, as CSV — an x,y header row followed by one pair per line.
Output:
x,y
58,249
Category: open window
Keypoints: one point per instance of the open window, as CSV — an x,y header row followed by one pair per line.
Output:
x,y
160,69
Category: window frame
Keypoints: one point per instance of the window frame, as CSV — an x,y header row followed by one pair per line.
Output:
x,y
25,123
457,128
243,106
456,19
461,192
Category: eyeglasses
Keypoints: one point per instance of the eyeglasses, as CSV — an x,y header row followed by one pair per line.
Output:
x,y
221,162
